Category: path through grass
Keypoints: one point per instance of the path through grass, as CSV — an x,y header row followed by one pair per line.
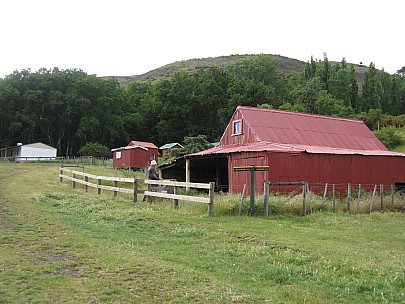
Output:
x,y
61,245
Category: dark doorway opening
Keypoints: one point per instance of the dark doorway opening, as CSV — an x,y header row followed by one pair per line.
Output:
x,y
202,170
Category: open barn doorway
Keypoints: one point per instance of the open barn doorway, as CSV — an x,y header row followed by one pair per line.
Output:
x,y
202,170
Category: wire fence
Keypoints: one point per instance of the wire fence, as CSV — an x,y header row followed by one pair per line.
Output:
x,y
83,160
352,198
302,198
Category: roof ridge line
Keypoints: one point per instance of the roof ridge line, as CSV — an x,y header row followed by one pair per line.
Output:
x,y
301,114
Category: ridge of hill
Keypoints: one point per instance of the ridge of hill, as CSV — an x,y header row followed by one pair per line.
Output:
x,y
285,66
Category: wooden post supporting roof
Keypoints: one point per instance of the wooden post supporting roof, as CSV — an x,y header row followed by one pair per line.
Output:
x,y
187,172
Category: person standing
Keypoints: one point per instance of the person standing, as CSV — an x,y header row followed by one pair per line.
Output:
x,y
151,173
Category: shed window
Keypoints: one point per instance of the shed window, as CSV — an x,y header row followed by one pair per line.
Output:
x,y
237,127
118,155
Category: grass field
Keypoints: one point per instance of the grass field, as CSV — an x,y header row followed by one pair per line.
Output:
x,y
62,245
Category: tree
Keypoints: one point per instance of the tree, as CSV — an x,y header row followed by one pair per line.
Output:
x,y
177,98
95,149
343,83
389,137
372,118
369,96
398,94
326,104
261,69
310,69
325,74
192,144
63,108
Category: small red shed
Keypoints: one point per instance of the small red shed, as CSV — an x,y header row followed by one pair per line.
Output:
x,y
137,155
167,149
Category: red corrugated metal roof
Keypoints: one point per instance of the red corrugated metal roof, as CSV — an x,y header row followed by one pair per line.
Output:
x,y
292,128
271,147
142,144
250,147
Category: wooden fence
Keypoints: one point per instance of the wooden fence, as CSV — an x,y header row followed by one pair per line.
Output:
x,y
78,177
176,197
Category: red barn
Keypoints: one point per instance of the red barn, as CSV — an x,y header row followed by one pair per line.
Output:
x,y
137,155
296,147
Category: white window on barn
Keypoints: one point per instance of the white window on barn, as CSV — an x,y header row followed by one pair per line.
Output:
x,y
118,154
237,127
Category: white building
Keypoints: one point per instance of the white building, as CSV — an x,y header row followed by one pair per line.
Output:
x,y
35,151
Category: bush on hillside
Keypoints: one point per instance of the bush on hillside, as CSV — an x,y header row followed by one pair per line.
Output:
x,y
389,137
95,149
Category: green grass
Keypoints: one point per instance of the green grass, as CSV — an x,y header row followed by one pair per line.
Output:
x,y
62,245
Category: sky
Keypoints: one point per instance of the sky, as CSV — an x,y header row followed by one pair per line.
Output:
x,y
131,37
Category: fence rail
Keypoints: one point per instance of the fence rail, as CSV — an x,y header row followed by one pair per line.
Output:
x,y
135,189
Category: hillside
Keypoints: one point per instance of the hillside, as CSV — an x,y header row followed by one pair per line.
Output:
x,y
285,66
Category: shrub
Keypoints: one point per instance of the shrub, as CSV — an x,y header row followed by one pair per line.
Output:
x,y
389,137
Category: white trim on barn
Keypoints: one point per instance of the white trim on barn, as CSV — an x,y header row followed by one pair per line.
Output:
x,y
129,147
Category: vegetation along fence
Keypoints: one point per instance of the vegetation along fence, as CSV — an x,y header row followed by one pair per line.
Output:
x,y
90,160
353,198
90,180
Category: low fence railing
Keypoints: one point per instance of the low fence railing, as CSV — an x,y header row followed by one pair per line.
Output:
x,y
78,177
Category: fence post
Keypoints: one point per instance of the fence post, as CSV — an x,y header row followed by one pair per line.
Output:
x,y
372,198
135,190
349,196
175,201
334,198
148,198
266,198
324,193
304,197
61,174
358,199
382,197
211,202
73,182
98,185
309,198
115,191
241,199
392,197
86,187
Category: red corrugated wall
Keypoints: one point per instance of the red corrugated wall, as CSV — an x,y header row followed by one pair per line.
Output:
x,y
238,179
316,169
135,158
336,169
